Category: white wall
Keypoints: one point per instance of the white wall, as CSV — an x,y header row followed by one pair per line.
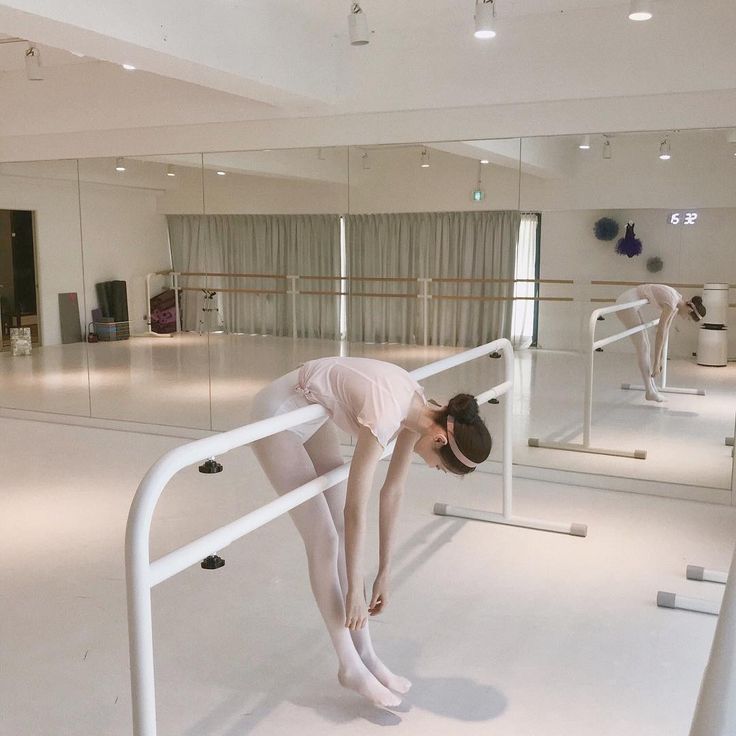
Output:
x,y
49,190
125,237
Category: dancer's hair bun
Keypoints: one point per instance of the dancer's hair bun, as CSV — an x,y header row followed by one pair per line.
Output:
x,y
464,408
698,306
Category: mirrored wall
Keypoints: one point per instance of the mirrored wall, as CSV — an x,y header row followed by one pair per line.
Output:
x,y
168,290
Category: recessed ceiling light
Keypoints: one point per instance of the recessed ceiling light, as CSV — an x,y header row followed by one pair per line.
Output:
x,y
484,161
640,10
77,54
128,67
221,173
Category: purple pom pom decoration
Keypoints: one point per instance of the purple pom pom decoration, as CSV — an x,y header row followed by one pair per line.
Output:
x,y
629,245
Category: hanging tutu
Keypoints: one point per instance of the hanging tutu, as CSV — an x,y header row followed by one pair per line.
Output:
x,y
629,245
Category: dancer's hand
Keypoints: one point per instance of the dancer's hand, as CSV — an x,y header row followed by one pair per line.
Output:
x,y
356,611
657,370
379,600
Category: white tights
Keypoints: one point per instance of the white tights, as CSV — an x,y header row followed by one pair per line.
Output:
x,y
632,318
288,464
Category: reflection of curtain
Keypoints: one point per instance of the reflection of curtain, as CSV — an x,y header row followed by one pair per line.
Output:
x,y
434,245
522,324
274,244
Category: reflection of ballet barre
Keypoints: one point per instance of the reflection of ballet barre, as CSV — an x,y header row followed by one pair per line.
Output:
x,y
593,345
142,575
715,711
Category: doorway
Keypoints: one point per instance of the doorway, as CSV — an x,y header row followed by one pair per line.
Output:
x,y
18,292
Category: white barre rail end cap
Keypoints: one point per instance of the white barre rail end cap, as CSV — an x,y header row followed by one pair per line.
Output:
x,y
533,442
665,599
700,392
640,454
578,530
626,386
440,509
694,572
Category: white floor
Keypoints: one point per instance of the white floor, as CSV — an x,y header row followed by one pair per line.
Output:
x,y
502,630
208,382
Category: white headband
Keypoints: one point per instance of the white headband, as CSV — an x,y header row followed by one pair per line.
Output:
x,y
453,445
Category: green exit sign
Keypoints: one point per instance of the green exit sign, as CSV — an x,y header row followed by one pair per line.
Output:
x,y
478,195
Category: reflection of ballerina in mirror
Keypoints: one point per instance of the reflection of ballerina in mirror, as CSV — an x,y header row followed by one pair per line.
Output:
x,y
671,303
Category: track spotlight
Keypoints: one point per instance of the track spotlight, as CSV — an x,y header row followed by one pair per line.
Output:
x,y
732,136
485,19
664,150
358,26
119,165
33,64
607,149
170,170
424,159
640,10
584,144
366,161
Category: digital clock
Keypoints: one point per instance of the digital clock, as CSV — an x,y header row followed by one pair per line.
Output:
x,y
682,218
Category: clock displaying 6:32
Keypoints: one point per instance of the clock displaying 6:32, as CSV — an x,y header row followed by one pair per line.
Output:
x,y
682,218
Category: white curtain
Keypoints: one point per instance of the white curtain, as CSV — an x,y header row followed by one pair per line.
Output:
x,y
522,323
434,245
307,245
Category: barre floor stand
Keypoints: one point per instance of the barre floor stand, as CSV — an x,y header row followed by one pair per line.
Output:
x,y
663,387
593,345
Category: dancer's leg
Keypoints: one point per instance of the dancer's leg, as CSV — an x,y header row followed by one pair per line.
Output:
x,y
632,318
324,450
288,466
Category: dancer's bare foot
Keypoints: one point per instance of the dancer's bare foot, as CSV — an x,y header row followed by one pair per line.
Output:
x,y
654,396
365,684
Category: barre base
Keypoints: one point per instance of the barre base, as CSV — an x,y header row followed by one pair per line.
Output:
x,y
574,447
666,390
685,603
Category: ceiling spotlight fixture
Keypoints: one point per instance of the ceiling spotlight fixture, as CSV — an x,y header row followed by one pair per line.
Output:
x,y
366,161
33,64
664,150
485,19
170,170
221,173
484,161
584,144
424,159
640,10
732,136
119,165
128,67
358,26
606,149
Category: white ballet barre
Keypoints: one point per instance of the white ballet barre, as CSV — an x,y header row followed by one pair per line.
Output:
x,y
593,345
506,516
715,711
666,599
142,574
663,387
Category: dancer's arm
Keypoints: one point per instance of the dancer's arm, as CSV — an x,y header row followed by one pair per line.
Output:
x,y
389,505
367,453
663,328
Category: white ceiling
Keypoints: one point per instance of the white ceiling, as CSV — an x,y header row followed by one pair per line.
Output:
x,y
212,61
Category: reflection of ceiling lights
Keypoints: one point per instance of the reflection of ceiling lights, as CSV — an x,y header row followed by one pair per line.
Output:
x,y
640,10
584,144
358,26
607,149
664,150
170,170
221,173
128,67
119,165
484,161
424,159
485,19
33,64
